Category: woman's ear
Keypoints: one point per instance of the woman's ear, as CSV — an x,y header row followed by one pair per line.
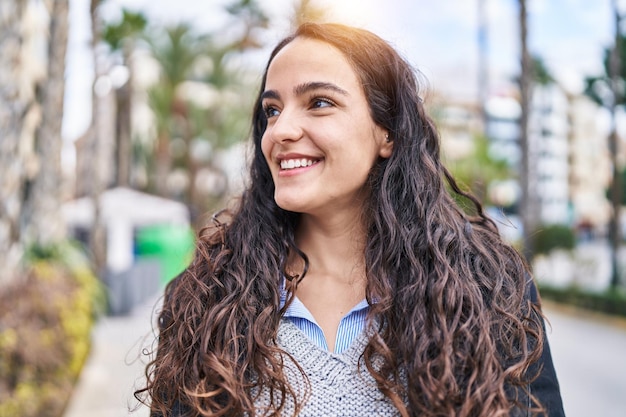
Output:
x,y
386,146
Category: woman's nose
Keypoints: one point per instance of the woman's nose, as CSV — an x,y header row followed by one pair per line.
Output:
x,y
287,127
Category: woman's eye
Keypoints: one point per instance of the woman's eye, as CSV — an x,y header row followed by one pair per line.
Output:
x,y
320,103
270,111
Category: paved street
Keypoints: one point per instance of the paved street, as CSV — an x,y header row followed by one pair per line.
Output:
x,y
589,355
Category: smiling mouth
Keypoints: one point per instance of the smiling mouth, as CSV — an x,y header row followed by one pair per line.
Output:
x,y
287,164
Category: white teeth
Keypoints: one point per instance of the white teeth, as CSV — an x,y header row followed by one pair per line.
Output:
x,y
296,163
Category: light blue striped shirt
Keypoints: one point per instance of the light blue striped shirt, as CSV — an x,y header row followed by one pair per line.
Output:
x,y
350,326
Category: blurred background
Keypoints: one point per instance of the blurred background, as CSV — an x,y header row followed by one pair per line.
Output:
x,y
124,126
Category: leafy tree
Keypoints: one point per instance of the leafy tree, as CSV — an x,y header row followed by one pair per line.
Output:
x,y
480,168
599,87
609,91
540,74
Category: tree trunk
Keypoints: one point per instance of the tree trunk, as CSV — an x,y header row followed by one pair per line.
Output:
x,y
615,235
483,64
12,110
124,97
163,163
95,146
527,206
41,215
123,136
193,195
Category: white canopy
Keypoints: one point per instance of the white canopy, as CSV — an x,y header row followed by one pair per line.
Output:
x,y
125,204
124,210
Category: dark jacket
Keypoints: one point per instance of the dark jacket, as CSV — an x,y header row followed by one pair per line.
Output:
x,y
546,387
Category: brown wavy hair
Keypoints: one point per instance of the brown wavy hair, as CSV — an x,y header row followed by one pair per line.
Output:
x,y
454,327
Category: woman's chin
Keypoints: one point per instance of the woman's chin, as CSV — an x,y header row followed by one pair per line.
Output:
x,y
289,205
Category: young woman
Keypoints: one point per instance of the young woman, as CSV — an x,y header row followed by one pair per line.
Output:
x,y
347,281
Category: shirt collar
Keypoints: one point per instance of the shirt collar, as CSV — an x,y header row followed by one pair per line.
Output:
x,y
299,310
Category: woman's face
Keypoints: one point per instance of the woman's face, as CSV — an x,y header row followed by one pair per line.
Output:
x,y
320,142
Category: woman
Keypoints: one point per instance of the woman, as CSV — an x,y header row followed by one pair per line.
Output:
x,y
348,281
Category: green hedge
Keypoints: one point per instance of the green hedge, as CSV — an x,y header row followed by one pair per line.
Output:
x,y
609,302
46,318
554,236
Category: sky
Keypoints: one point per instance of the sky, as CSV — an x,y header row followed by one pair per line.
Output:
x,y
438,37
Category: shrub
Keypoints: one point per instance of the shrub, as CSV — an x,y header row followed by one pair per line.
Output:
x,y
611,302
46,318
548,238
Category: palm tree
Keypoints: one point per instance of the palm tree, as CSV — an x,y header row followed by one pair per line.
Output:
x,y
528,209
483,64
30,201
609,91
250,16
540,80
94,175
41,215
226,120
176,52
121,38
306,11
182,56
616,71
12,108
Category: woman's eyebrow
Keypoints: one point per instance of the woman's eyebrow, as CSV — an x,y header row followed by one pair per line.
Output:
x,y
273,94
318,85
304,88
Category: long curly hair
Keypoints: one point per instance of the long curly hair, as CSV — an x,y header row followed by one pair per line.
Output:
x,y
455,331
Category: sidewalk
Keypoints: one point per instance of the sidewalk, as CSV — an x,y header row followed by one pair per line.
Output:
x,y
588,351
115,366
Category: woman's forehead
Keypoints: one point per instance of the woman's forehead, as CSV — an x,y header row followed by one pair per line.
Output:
x,y
307,59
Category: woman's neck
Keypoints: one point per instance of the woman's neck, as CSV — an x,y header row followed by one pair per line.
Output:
x,y
335,281
335,248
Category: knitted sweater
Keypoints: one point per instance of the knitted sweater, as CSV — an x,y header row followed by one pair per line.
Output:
x,y
337,387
